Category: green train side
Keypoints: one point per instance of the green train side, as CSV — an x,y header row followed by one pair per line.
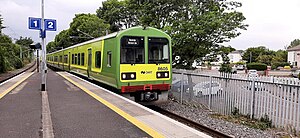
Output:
x,y
135,61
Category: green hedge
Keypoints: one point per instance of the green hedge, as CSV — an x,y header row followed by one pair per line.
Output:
x,y
257,66
9,59
225,68
275,65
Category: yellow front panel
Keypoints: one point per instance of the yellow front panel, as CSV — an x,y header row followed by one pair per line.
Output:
x,y
144,72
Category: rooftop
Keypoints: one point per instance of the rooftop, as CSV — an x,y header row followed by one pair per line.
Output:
x,y
295,48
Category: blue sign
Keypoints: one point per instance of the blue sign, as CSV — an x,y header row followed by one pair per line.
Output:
x,y
42,33
50,24
34,23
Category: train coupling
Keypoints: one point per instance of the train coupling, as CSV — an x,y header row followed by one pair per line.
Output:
x,y
149,96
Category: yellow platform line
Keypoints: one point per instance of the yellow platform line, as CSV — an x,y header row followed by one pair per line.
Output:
x,y
14,86
128,117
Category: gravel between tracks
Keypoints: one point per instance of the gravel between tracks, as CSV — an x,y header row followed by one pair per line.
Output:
x,y
201,116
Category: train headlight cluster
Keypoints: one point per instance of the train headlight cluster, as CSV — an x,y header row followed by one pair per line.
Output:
x,y
128,76
162,74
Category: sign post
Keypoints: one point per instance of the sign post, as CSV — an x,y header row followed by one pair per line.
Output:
x,y
44,65
42,25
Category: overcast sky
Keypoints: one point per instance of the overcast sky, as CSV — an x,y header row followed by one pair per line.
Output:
x,y
272,23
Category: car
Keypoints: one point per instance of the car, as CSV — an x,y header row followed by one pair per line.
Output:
x,y
252,73
202,88
240,67
176,85
234,70
296,73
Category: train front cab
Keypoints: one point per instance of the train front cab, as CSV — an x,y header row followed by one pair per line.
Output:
x,y
145,66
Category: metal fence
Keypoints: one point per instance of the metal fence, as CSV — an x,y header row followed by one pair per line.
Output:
x,y
224,93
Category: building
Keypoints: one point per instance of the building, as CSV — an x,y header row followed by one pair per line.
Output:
x,y
294,56
235,56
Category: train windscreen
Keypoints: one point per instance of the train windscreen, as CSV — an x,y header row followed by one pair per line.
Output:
x,y
132,50
158,51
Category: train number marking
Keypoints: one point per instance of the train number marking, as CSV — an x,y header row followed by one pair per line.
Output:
x,y
162,68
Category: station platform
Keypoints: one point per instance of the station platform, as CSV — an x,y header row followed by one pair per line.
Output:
x,y
72,107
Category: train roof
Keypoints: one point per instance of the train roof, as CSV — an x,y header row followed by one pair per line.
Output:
x,y
112,35
90,41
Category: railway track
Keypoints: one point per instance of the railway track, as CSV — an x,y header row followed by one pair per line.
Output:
x,y
190,123
5,77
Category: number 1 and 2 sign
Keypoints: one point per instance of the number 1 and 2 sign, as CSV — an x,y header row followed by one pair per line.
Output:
x,y
35,23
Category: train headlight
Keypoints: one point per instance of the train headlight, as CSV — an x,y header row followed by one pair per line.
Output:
x,y
132,76
158,75
164,74
128,76
123,76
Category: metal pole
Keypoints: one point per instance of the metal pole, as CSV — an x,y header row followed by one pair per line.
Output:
x,y
210,90
181,88
253,99
44,67
37,61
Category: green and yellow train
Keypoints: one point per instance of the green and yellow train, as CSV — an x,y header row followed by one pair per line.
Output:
x,y
135,61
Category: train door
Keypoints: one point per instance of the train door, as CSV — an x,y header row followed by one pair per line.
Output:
x,y
63,60
89,62
69,61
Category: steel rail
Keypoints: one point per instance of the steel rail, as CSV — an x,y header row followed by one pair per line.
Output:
x,y
193,124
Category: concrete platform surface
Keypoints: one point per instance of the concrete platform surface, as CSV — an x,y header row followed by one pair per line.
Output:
x,y
76,114
152,122
72,107
20,108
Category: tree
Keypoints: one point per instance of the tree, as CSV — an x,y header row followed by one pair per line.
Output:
x,y
226,50
197,27
63,40
9,54
203,26
83,27
252,53
5,39
280,56
294,43
24,41
114,13
51,46
266,59
1,24
86,27
159,13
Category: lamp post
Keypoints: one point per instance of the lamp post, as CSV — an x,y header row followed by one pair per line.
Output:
x,y
44,66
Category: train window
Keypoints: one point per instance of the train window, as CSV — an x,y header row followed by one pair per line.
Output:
x,y
55,59
78,57
60,58
73,59
82,59
98,59
66,59
132,50
158,50
109,59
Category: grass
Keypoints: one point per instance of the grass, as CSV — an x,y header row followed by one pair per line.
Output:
x,y
263,123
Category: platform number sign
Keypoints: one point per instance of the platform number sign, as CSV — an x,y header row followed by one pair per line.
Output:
x,y
35,23
50,25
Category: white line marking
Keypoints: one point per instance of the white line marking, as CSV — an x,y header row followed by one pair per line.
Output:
x,y
11,79
46,117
